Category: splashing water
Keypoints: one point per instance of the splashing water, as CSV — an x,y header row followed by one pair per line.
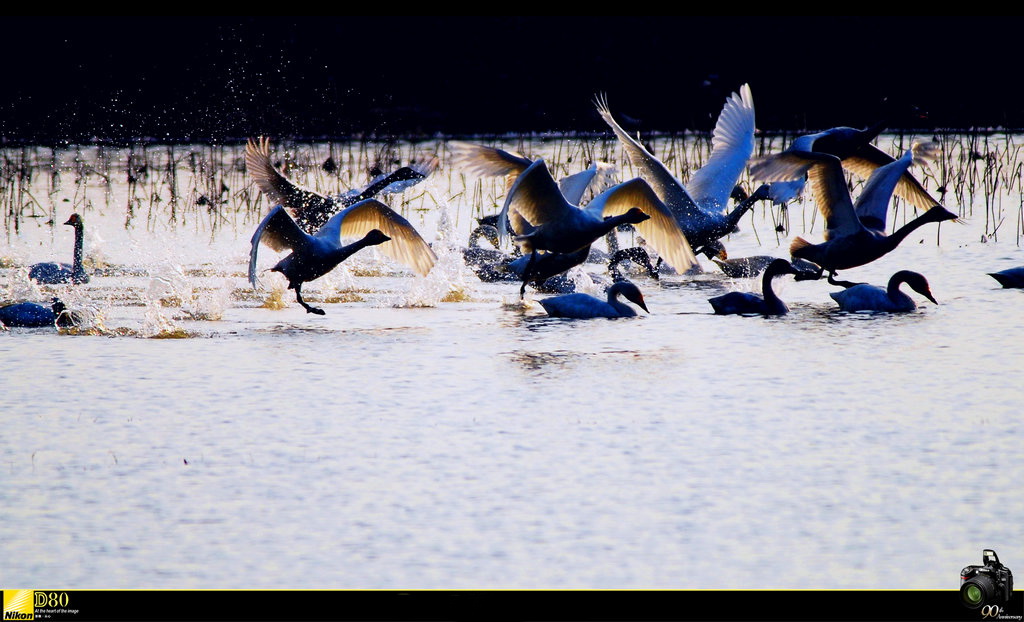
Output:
x,y
446,282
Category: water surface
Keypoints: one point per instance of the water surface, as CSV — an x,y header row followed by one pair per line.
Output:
x,y
402,441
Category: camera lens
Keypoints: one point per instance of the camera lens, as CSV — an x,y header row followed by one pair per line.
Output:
x,y
972,595
977,591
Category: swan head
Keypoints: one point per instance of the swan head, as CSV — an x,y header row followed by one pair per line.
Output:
x,y
635,215
715,250
375,237
632,293
939,214
781,266
918,283
75,220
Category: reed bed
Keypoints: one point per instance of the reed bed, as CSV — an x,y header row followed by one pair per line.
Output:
x,y
205,187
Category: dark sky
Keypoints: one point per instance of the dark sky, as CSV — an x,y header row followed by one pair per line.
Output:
x,y
72,79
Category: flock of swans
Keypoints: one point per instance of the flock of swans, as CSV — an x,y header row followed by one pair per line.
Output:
x,y
554,228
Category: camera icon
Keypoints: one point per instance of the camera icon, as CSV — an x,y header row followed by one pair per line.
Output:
x,y
988,584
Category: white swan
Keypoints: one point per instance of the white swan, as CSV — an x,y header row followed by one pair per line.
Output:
x,y
742,303
545,220
312,209
853,147
585,306
52,273
700,206
865,297
1009,278
491,161
313,256
854,232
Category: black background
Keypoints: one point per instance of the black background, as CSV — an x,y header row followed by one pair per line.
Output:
x,y
217,79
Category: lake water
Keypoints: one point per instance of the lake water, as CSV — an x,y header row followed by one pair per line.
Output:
x,y
432,433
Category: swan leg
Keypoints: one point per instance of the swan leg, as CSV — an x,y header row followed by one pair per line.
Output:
x,y
812,276
655,272
843,284
308,308
527,272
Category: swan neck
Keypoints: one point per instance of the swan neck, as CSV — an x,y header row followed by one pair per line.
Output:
x,y
737,213
79,243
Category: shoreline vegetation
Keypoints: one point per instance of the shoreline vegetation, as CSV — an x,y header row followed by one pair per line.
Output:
x,y
163,180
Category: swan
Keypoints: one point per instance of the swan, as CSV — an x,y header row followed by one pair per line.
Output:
x,y
853,147
747,267
32,315
865,297
1013,277
313,256
638,255
53,273
747,303
699,207
855,233
312,209
546,221
585,306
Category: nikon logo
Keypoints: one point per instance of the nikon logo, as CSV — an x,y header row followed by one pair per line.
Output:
x,y
19,605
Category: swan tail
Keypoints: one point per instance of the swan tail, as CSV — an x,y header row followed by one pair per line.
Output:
x,y
797,246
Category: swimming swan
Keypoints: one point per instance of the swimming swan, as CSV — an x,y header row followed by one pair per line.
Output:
x,y
54,273
32,315
1012,277
585,306
746,303
865,297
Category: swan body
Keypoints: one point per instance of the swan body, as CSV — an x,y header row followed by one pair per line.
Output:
x,y
585,306
700,207
1011,278
545,220
312,209
53,273
32,315
865,297
743,303
313,256
743,267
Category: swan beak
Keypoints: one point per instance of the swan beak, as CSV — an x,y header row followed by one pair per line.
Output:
x,y
929,296
642,305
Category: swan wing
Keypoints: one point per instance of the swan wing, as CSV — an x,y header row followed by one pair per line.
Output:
x,y
535,198
277,187
486,161
872,205
279,232
868,158
732,144
574,186
664,183
661,230
831,194
406,246
782,167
